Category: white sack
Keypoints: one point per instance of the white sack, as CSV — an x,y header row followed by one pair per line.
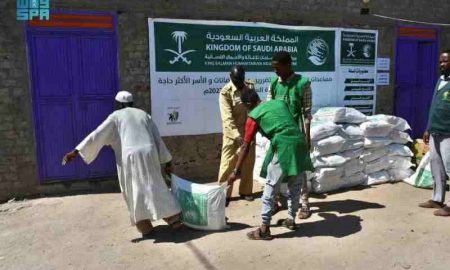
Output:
x,y
398,122
340,115
372,154
378,178
329,161
376,129
377,165
400,163
399,137
323,129
202,206
330,145
399,150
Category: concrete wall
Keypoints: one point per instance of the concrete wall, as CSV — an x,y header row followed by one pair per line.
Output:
x,y
196,157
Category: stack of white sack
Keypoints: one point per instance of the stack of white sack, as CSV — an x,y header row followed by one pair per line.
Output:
x,y
337,142
386,157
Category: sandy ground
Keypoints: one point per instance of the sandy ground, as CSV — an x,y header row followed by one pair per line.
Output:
x,y
374,228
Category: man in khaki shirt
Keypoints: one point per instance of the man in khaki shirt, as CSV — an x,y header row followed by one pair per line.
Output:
x,y
234,116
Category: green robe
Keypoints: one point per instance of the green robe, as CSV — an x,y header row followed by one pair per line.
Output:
x,y
286,140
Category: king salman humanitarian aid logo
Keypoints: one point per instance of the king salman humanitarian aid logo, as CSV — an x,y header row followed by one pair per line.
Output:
x,y
180,37
318,51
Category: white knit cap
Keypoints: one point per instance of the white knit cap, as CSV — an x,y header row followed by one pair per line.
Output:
x,y
124,97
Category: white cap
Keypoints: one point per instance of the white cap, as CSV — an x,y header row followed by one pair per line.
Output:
x,y
124,97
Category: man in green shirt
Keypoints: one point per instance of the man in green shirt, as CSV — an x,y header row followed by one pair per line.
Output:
x,y
438,136
286,160
295,90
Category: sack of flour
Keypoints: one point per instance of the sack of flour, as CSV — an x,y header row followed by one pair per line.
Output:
x,y
398,122
378,178
399,150
340,115
202,206
371,154
400,163
376,128
333,160
376,142
352,153
400,137
327,179
353,167
352,132
399,175
328,145
422,177
377,165
352,144
323,129
356,179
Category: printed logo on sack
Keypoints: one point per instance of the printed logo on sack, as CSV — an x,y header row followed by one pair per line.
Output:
x,y
179,37
318,51
173,116
27,10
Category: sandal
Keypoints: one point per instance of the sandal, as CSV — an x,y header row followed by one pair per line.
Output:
x,y
176,225
259,235
288,223
305,212
248,198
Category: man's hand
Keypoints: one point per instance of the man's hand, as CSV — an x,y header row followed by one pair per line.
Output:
x,y
231,179
239,140
70,156
426,137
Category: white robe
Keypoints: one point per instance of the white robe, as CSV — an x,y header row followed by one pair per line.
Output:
x,y
139,152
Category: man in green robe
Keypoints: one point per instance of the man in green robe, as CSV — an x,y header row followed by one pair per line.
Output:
x,y
295,90
287,159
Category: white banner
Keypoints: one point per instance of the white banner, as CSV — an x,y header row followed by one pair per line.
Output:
x,y
190,62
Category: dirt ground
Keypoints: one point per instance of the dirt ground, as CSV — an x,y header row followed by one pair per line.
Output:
x,y
373,228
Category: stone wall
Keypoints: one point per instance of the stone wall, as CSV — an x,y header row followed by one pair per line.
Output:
x,y
196,157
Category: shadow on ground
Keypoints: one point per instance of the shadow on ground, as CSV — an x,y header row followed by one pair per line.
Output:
x,y
343,206
333,225
164,234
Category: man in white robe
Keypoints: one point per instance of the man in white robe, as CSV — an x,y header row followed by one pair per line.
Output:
x,y
139,152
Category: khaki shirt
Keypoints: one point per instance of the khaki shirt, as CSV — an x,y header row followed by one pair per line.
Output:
x,y
233,111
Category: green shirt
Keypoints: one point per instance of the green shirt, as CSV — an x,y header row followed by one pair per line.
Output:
x,y
277,124
439,116
292,91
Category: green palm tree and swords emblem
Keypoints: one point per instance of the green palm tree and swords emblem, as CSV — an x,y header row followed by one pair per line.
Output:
x,y
179,37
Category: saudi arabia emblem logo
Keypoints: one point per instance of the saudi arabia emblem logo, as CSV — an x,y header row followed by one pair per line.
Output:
x,y
318,51
180,37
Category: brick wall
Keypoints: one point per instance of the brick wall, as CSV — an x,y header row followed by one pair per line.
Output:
x,y
194,156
